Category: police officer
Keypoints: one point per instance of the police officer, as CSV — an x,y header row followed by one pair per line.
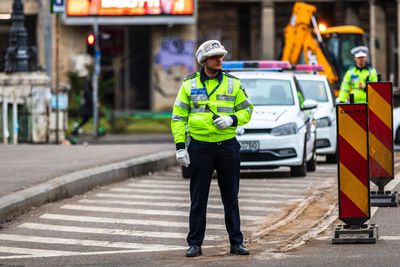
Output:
x,y
356,77
212,104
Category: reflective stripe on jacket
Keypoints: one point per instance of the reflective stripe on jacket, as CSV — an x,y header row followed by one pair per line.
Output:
x,y
229,98
351,81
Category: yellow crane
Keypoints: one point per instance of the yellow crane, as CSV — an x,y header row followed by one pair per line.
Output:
x,y
306,43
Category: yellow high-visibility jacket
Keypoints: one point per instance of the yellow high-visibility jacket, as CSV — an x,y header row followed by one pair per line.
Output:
x,y
351,80
224,95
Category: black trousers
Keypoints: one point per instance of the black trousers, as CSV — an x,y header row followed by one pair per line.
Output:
x,y
224,157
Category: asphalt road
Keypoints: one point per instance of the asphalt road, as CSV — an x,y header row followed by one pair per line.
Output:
x,y
143,222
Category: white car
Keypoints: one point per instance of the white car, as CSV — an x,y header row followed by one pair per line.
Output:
x,y
280,132
396,125
317,87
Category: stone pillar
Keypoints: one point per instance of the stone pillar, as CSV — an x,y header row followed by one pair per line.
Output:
x,y
378,38
267,30
351,17
31,91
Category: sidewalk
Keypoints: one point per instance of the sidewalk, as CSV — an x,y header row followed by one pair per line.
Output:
x,y
32,175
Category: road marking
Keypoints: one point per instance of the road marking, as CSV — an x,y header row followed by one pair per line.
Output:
x,y
185,225
311,176
373,211
16,250
153,212
175,192
389,187
170,204
57,253
242,188
391,238
104,231
184,198
243,183
81,242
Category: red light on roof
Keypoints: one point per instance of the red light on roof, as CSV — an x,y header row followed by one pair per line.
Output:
x,y
90,39
274,64
304,67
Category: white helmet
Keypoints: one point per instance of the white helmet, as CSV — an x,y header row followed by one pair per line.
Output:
x,y
208,49
359,51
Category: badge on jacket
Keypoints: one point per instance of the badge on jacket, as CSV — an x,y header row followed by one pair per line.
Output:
x,y
244,91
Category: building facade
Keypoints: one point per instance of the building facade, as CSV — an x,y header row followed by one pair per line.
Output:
x,y
143,64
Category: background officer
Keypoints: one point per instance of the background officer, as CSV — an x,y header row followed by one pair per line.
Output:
x,y
356,77
213,145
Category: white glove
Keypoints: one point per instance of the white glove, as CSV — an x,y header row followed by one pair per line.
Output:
x,y
223,121
182,156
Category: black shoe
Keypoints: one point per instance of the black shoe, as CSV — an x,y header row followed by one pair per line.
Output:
x,y
194,251
239,249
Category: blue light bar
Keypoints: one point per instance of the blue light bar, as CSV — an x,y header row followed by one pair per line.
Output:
x,y
232,64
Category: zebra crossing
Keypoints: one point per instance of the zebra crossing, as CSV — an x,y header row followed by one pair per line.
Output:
x,y
145,214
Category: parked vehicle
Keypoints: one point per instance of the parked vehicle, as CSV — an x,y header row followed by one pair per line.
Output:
x,y
317,87
396,125
282,130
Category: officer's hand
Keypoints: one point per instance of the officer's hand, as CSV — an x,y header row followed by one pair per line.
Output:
x,y
182,156
223,121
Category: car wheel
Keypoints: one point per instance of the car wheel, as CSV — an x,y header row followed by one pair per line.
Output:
x,y
301,170
186,172
331,158
312,163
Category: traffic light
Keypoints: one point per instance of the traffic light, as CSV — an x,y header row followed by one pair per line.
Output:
x,y
90,43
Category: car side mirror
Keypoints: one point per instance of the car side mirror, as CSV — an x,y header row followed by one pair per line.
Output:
x,y
309,104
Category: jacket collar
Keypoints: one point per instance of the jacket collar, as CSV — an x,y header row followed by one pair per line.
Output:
x,y
366,67
204,77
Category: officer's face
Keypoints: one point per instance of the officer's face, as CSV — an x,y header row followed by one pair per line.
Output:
x,y
360,61
214,63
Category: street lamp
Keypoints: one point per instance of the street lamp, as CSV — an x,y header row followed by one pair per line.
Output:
x,y
19,57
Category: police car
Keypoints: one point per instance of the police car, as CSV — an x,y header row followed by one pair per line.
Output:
x,y
281,131
317,87
396,125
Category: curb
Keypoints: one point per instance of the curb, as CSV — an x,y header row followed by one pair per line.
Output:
x,y
81,181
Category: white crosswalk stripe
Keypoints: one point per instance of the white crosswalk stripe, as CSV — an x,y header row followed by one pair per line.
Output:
x,y
41,253
92,230
145,214
17,250
170,204
185,198
83,242
243,183
185,225
152,212
184,192
242,188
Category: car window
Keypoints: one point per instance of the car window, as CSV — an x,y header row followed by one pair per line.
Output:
x,y
314,90
269,92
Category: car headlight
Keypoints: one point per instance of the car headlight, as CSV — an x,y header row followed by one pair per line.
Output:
x,y
324,122
286,129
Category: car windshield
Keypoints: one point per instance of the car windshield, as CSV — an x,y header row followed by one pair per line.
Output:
x,y
314,90
268,92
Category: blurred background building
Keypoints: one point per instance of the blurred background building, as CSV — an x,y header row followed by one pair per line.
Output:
x,y
146,56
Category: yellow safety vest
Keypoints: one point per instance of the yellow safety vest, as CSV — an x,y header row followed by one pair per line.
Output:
x,y
351,81
225,97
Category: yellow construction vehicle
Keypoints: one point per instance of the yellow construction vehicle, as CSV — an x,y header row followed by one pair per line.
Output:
x,y
330,47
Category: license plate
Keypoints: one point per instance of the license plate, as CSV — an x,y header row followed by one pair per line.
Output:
x,y
252,146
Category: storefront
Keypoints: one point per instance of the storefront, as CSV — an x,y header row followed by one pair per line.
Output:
x,y
147,48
